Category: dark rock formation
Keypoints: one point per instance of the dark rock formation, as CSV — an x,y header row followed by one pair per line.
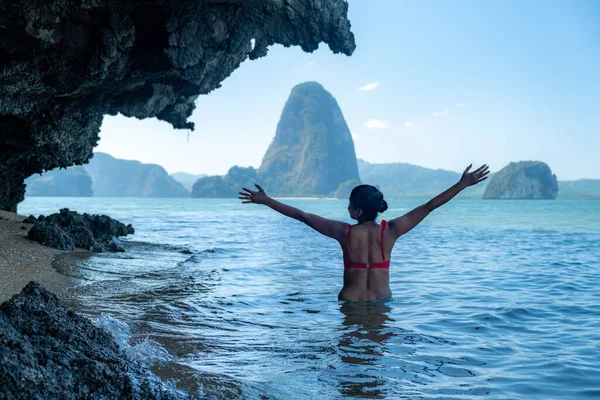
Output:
x,y
112,177
63,65
49,352
312,152
68,229
51,235
73,181
523,180
187,180
30,220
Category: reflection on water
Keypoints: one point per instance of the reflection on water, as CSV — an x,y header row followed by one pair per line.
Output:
x,y
362,345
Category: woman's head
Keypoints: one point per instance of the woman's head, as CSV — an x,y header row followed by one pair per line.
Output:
x,y
366,202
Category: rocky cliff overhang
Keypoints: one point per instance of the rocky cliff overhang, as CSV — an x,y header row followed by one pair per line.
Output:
x,y
64,65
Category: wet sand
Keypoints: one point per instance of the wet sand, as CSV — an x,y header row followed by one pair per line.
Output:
x,y
23,260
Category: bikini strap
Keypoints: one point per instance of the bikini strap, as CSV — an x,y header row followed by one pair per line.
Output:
x,y
348,240
383,224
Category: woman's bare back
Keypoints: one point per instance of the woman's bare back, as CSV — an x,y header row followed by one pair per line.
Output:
x,y
364,247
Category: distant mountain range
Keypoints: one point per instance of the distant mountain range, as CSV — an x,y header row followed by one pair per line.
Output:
x,y
112,177
396,180
187,180
71,182
106,176
579,189
312,154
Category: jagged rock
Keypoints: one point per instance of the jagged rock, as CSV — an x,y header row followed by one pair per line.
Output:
x,y
30,220
49,352
50,234
63,65
523,180
96,233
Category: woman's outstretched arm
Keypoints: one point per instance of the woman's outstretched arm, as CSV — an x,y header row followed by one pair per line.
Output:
x,y
327,227
400,226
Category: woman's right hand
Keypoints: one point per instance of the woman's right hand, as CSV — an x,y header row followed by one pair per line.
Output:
x,y
257,197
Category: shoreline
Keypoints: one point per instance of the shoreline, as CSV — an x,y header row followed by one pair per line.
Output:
x,y
23,260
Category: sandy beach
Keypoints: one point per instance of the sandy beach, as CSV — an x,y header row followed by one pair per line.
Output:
x,y
23,260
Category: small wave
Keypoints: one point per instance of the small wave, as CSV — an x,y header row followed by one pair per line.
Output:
x,y
198,257
148,246
144,350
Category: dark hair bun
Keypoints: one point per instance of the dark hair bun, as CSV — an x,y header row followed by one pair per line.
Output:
x,y
382,205
368,199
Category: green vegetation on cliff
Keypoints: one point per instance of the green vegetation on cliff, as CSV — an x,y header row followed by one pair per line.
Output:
x,y
73,181
212,187
112,177
312,152
225,186
523,180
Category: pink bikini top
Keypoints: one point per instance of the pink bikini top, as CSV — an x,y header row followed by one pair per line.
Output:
x,y
350,264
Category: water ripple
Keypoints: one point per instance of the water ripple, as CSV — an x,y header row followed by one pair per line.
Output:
x,y
493,299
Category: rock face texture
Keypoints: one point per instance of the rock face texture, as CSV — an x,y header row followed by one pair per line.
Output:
x,y
73,181
64,65
69,229
313,151
49,352
523,180
112,177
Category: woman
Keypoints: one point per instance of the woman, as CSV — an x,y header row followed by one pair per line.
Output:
x,y
367,246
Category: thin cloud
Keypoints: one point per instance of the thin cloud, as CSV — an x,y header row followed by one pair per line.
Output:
x,y
376,124
369,86
310,63
408,124
438,114
355,136
459,104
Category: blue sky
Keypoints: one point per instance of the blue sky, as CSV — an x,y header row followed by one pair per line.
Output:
x,y
449,83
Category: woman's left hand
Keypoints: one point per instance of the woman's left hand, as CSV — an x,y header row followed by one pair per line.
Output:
x,y
473,178
257,197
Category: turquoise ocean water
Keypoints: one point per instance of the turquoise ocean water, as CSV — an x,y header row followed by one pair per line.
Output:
x,y
493,299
